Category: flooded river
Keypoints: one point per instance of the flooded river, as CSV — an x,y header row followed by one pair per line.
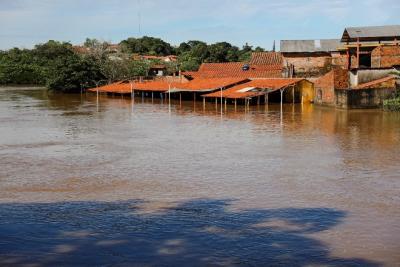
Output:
x,y
111,183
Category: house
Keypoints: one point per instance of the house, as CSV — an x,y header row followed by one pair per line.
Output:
x,y
261,65
311,58
371,47
288,90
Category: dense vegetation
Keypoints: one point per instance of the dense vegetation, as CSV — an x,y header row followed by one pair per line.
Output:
x,y
393,104
61,67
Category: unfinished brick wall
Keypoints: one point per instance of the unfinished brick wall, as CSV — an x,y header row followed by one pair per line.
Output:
x,y
308,65
339,59
341,78
324,89
325,86
385,56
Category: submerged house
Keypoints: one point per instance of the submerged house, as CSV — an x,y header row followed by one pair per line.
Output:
x,y
371,55
265,90
352,72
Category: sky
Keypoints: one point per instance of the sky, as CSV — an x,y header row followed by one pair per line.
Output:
x,y
24,23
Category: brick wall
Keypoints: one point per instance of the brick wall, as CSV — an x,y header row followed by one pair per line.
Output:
x,y
325,86
385,56
308,65
324,89
339,59
341,78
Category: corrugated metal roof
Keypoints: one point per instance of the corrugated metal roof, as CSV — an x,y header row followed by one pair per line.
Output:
x,y
308,46
352,33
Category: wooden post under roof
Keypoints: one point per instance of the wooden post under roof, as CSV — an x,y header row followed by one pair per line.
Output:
x,y
358,52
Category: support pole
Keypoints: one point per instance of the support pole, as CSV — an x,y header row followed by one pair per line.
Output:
x,y
282,105
235,103
358,53
169,97
293,93
204,102
221,100
258,100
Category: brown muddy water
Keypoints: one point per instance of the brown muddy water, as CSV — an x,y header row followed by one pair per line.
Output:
x,y
109,183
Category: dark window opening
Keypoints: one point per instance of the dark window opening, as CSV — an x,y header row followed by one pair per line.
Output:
x,y
365,61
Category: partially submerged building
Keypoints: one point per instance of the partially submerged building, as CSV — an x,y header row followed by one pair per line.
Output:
x,y
364,79
311,58
352,72
263,90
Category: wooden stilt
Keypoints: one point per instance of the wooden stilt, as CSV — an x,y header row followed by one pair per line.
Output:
x,y
293,93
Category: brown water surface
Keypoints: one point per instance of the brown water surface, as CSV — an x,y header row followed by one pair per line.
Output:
x,y
109,182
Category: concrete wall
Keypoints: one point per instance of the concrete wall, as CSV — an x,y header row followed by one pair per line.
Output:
x,y
307,91
363,98
366,75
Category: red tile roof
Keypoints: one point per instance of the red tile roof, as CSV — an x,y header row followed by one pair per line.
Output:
x,y
235,69
266,58
239,91
118,87
208,84
376,83
196,85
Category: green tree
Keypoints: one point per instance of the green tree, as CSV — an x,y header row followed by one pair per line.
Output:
x,y
147,46
72,73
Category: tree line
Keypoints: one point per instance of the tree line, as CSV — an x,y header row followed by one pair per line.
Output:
x,y
60,66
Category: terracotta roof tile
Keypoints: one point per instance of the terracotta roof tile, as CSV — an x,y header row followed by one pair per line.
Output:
x,y
239,91
118,87
235,69
375,83
267,58
196,85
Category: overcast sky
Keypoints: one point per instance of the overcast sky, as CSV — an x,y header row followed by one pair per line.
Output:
x,y
24,23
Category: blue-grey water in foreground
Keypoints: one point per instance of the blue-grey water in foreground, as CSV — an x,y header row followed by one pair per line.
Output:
x,y
111,183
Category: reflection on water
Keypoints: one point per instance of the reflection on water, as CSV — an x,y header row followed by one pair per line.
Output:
x,y
314,186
